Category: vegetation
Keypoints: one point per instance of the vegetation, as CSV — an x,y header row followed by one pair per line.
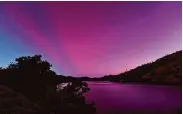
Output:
x,y
30,87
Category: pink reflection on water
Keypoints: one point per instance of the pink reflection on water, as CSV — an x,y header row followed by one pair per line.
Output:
x,y
114,98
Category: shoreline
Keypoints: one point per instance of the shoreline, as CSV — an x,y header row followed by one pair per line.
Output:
x,y
141,83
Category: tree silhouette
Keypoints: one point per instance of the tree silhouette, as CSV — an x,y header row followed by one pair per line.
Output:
x,y
33,77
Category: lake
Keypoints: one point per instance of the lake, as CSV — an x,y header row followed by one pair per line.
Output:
x,y
116,98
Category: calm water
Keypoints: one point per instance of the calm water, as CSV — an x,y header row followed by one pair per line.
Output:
x,y
115,98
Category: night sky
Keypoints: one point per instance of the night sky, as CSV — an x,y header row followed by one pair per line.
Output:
x,y
90,38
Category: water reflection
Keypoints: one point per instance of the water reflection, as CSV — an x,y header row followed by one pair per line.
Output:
x,y
116,98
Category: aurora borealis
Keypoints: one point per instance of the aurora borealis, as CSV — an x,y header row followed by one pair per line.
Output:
x,y
90,38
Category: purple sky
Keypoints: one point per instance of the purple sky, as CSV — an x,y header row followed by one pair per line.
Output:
x,y
90,38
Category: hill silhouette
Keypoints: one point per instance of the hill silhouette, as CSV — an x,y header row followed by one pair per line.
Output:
x,y
166,70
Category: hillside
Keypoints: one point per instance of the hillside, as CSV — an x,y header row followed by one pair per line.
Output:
x,y
166,70
12,102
